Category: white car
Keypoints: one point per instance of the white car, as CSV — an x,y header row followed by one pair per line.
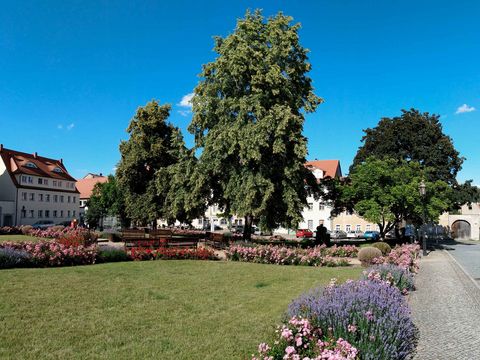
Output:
x,y
354,234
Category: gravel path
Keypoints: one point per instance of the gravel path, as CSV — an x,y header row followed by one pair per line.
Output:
x,y
446,309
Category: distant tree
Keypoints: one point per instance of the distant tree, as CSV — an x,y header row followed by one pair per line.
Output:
x,y
386,192
416,137
106,200
248,120
153,146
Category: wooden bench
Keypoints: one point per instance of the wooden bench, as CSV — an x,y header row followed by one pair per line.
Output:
x,y
216,240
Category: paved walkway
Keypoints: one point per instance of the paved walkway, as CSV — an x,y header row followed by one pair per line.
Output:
x,y
446,309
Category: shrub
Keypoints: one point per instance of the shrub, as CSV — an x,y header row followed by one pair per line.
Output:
x,y
391,274
372,316
112,255
172,254
405,256
10,230
26,229
10,258
298,339
383,247
350,251
367,255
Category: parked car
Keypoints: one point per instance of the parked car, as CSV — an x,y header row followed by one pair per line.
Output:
x,y
371,235
338,234
43,224
304,233
206,227
237,229
352,234
64,223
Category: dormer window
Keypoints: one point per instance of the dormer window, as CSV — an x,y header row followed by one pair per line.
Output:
x,y
31,165
58,170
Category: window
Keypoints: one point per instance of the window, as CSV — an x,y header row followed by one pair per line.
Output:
x,y
61,213
367,227
223,222
55,198
74,199
40,181
32,214
31,165
47,197
40,197
59,184
58,170
61,198
310,206
200,221
359,228
73,213
68,213
310,224
321,206
69,198
45,181
240,221
54,213
337,227
32,197
23,213
348,228
24,196
54,182
30,180
40,214
47,213
24,179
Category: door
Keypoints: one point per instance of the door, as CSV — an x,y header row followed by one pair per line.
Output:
x,y
461,229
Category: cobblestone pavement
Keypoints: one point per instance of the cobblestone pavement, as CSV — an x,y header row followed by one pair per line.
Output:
x,y
468,255
446,310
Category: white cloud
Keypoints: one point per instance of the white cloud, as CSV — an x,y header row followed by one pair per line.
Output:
x,y
184,112
464,109
186,101
71,126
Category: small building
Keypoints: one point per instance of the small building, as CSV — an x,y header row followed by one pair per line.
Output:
x,y
34,188
85,187
463,224
350,221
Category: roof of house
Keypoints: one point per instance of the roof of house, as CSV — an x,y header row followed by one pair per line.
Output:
x,y
85,186
330,168
18,162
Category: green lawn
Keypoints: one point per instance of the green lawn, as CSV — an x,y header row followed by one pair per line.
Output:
x,y
149,310
18,238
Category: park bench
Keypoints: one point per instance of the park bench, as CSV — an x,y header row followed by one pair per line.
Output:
x,y
216,240
138,238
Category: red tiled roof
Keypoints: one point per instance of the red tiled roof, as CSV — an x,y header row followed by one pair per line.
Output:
x,y
16,163
330,168
85,186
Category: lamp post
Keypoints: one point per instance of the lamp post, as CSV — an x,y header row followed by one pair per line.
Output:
x,y
422,188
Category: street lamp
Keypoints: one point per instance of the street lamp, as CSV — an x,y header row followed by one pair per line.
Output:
x,y
422,188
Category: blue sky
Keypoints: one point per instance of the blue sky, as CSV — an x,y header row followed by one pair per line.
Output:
x,y
72,73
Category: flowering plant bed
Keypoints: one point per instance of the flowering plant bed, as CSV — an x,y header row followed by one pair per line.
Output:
x,y
280,255
52,253
172,254
298,339
405,256
392,275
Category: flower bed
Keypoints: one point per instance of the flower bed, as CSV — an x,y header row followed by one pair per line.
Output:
x,y
405,256
392,275
52,253
372,316
298,339
280,255
172,254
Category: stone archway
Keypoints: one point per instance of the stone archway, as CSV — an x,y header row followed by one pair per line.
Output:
x,y
461,229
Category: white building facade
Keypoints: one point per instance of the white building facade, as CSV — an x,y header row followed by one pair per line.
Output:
x,y
35,188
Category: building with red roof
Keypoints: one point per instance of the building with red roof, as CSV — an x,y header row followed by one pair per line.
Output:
x,y
34,188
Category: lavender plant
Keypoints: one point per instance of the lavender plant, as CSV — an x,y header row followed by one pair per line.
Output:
x,y
372,316
10,258
391,274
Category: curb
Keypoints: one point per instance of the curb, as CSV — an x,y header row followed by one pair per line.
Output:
x,y
464,271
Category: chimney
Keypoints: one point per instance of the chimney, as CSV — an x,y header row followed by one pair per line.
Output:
x,y
1,147
101,174
35,155
61,161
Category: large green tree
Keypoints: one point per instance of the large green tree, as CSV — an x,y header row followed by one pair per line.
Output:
x,y
413,136
248,119
386,192
154,145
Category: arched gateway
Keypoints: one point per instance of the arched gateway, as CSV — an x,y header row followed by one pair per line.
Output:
x,y
461,229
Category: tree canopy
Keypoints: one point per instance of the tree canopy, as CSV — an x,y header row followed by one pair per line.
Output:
x,y
416,137
153,147
386,192
248,116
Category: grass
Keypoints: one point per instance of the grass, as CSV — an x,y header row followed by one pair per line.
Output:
x,y
149,310
19,238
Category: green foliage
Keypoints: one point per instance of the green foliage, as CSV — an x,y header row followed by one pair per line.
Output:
x,y
248,119
112,255
383,247
367,254
416,137
387,192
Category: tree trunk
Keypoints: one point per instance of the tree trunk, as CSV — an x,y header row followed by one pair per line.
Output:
x,y
247,229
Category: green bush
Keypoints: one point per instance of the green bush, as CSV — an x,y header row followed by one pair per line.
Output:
x,y
112,255
367,254
383,247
